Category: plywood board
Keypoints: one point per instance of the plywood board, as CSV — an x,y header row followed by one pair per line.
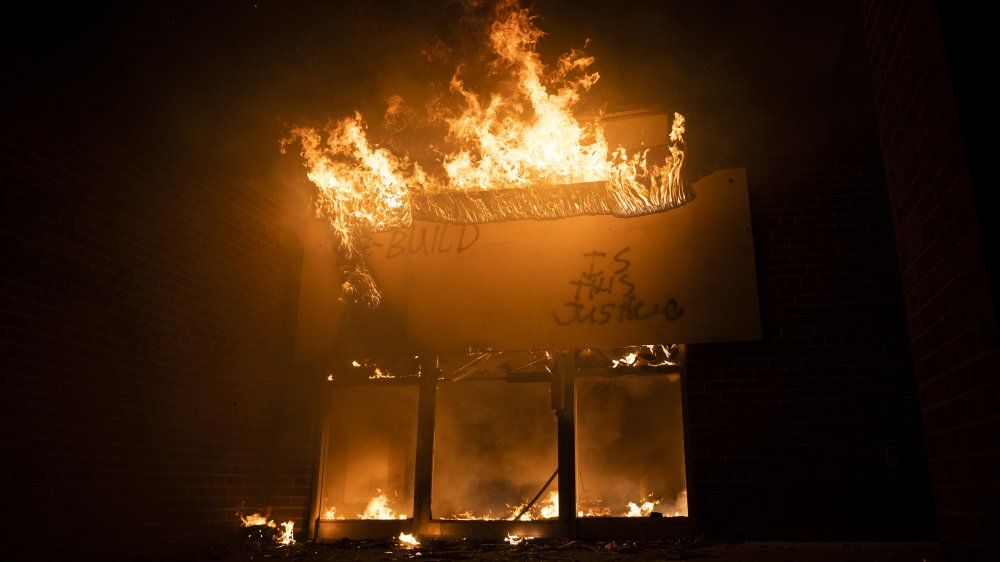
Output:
x,y
681,276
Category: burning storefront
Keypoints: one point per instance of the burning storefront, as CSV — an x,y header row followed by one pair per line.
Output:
x,y
158,276
497,326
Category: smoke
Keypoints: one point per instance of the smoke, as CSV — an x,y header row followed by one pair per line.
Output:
x,y
630,443
494,448
371,449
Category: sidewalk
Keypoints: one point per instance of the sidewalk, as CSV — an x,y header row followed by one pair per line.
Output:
x,y
563,549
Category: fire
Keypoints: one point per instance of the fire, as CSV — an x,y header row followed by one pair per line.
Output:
x,y
515,540
520,144
643,508
530,138
378,508
256,519
640,510
408,539
285,537
629,359
544,509
550,509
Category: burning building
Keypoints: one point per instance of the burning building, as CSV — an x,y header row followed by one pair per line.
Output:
x,y
535,250
772,318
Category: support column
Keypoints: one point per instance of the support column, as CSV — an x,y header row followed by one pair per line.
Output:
x,y
319,472
423,470
564,398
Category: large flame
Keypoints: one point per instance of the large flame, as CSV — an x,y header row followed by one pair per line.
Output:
x,y
530,138
508,154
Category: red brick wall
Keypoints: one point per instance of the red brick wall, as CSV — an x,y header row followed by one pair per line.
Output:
x,y
812,432
144,343
950,309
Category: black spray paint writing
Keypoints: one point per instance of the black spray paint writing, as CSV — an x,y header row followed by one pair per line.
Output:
x,y
440,239
603,293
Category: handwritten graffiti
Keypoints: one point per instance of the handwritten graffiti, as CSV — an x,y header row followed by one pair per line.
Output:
x,y
603,293
438,239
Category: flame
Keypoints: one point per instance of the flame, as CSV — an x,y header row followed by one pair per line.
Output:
x,y
521,143
681,504
627,360
641,510
550,509
284,537
515,540
407,539
544,509
530,138
378,508
255,519
287,537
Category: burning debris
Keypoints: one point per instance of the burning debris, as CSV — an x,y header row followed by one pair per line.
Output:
x,y
408,540
262,531
641,510
515,540
519,154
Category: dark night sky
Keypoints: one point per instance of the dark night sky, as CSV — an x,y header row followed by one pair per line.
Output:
x,y
227,78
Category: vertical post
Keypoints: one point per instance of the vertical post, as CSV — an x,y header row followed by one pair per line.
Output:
x,y
320,468
686,419
422,472
566,439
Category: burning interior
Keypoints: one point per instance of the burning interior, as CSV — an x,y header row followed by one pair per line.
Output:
x,y
502,434
504,283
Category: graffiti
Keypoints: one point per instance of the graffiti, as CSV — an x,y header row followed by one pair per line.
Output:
x,y
437,239
603,293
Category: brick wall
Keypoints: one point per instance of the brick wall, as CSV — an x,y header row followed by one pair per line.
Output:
x,y
812,432
949,300
144,344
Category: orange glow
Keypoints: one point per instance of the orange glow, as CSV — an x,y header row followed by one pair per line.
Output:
x,y
640,510
284,537
256,519
519,143
407,539
378,508
287,536
331,513
515,540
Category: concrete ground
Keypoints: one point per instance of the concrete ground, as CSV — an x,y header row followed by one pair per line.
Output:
x,y
563,549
